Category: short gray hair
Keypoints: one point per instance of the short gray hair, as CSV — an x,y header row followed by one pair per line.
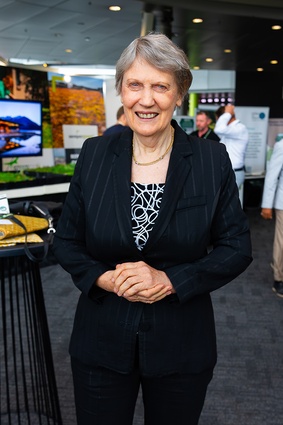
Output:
x,y
159,51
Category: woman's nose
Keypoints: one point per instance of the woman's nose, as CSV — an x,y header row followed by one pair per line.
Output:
x,y
147,97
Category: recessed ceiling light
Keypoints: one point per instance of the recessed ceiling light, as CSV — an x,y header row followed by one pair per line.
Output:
x,y
276,27
197,20
45,65
196,67
259,69
68,50
274,62
209,60
114,8
67,78
227,51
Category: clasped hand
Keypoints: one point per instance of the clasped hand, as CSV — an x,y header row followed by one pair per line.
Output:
x,y
139,282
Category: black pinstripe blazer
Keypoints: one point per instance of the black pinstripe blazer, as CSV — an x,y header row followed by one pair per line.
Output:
x,y
200,208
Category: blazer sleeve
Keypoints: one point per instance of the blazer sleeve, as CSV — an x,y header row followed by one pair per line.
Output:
x,y
69,245
231,249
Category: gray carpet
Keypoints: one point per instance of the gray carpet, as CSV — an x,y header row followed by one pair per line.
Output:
x,y
247,388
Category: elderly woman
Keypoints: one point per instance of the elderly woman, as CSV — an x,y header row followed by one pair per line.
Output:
x,y
151,225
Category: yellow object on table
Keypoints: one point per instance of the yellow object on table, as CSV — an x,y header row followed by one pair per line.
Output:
x,y
31,238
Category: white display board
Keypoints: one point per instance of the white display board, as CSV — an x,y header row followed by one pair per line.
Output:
x,y
256,119
75,135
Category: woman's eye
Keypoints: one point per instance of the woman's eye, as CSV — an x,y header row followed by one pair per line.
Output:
x,y
134,86
160,88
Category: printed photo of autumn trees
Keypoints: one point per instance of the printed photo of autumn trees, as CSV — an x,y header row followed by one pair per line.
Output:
x,y
79,102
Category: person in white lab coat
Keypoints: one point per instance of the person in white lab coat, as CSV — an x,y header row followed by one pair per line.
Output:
x,y
234,134
272,199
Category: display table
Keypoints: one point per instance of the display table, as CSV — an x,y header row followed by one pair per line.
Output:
x,y
31,192
28,390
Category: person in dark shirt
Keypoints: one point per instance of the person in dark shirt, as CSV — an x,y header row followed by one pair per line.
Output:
x,y
203,131
120,124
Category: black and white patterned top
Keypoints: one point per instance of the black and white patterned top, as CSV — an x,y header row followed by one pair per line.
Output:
x,y
145,204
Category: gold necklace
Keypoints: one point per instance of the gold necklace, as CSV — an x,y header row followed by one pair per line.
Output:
x,y
158,159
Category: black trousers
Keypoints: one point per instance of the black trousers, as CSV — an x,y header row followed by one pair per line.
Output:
x,y
106,397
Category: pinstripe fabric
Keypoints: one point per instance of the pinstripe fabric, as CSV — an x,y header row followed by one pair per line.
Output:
x,y
200,208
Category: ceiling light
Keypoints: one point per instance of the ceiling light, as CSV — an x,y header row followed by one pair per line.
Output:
x,y
114,8
197,20
45,65
209,60
3,61
259,69
196,67
68,50
227,51
28,61
276,27
274,62
67,78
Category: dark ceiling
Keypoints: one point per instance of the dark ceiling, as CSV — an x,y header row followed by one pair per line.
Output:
x,y
42,29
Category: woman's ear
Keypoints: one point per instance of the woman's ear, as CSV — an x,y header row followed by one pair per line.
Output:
x,y
179,101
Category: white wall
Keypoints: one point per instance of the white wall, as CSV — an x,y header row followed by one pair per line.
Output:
x,y
112,101
213,81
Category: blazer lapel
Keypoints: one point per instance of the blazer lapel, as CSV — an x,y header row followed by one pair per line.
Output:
x,y
178,170
122,188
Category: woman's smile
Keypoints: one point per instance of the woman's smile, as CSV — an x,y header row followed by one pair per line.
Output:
x,y
146,115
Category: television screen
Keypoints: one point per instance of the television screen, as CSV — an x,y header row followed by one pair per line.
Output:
x,y
20,128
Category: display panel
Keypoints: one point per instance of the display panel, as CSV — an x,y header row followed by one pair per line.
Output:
x,y
20,128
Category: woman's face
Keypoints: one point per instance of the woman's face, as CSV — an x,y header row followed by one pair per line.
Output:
x,y
149,97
